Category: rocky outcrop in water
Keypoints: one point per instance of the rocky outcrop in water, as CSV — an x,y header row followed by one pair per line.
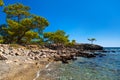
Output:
x,y
78,50
87,47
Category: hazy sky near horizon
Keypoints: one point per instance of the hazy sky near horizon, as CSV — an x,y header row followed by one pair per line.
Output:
x,y
81,19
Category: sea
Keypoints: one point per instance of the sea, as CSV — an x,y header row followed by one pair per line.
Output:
x,y
98,68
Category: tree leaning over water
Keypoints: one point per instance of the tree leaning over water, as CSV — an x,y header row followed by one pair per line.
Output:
x,y
22,26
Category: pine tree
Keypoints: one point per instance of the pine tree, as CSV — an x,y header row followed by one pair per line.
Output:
x,y
22,26
59,37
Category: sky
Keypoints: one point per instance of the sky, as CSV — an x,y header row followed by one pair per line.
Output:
x,y
80,19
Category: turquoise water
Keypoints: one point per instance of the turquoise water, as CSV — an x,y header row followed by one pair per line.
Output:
x,y
98,68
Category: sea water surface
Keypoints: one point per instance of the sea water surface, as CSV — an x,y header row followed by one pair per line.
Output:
x,y
98,68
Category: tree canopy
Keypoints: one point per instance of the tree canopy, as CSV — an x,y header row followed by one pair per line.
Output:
x,y
92,40
1,3
22,26
58,37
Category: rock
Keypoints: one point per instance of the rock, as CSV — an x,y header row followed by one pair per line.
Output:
x,y
1,49
62,54
33,46
2,57
36,58
6,51
18,54
113,51
103,51
63,57
16,60
85,54
44,56
35,51
101,55
57,57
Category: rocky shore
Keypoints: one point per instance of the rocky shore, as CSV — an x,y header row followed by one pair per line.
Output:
x,y
35,52
23,61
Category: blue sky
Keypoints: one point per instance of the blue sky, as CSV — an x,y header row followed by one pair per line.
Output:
x,y
81,19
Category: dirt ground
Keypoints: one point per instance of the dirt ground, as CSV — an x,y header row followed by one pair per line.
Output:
x,y
20,68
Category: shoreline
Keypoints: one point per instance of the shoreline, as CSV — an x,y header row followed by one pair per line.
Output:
x,y
18,62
